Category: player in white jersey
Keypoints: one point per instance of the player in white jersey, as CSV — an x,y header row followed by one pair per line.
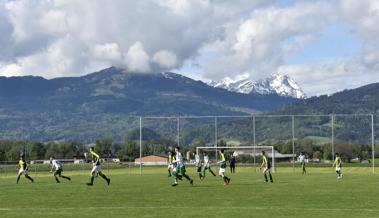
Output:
x,y
302,162
199,166
56,165
180,168
207,165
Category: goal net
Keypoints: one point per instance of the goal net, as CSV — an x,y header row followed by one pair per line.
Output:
x,y
243,155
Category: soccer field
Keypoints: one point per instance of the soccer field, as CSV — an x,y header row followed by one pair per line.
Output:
x,y
318,194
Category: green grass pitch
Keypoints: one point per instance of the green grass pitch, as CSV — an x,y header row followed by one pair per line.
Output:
x,y
318,194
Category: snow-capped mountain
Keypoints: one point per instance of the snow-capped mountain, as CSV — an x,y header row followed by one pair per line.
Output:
x,y
280,84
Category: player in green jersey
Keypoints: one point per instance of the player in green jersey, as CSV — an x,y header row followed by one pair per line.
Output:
x,y
180,170
199,166
222,165
56,165
267,166
96,169
207,165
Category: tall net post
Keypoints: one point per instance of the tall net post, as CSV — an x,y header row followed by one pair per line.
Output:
x,y
254,144
373,143
293,142
140,145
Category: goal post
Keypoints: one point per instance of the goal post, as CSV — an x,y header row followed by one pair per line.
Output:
x,y
250,151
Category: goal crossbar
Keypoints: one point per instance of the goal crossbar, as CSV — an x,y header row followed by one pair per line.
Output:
x,y
253,148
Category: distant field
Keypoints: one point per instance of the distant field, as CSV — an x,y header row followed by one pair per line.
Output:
x,y
318,194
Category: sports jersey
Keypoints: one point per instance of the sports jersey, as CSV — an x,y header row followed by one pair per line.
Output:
x,y
179,159
56,164
338,162
222,161
95,158
197,160
266,161
301,159
23,164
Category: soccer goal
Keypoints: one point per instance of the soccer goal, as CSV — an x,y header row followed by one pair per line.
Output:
x,y
246,155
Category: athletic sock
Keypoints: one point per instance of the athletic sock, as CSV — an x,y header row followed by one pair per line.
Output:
x,y
18,179
271,178
187,177
66,177
104,177
30,178
56,179
92,178
265,177
212,172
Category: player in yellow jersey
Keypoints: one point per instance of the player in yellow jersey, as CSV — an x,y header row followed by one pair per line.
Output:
x,y
222,164
267,166
96,169
23,169
170,165
338,164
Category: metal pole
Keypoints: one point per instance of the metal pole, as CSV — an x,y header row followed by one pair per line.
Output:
x,y
332,136
178,130
373,143
293,143
140,145
216,139
254,144
273,158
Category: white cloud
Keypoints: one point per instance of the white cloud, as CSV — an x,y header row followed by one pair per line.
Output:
x,y
165,59
328,77
108,51
267,38
137,60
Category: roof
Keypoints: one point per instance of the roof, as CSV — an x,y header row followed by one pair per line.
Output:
x,y
152,158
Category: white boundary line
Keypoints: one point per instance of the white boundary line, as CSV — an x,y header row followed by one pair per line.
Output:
x,y
192,207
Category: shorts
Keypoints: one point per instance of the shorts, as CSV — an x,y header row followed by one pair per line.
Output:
x,y
199,169
338,168
96,169
20,171
58,171
170,166
181,170
266,170
221,171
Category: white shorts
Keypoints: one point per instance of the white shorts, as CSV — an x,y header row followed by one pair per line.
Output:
x,y
170,166
96,169
221,171
266,170
338,168
20,171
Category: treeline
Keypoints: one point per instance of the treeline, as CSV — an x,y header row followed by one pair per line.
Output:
x,y
313,149
130,150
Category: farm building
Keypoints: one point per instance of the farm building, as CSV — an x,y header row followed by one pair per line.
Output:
x,y
152,160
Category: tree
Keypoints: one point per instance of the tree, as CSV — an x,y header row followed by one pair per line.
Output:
x,y
37,150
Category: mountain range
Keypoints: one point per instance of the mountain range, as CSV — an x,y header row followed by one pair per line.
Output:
x,y
280,84
104,102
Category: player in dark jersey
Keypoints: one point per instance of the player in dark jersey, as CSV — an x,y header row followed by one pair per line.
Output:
x,y
96,169
23,169
267,166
